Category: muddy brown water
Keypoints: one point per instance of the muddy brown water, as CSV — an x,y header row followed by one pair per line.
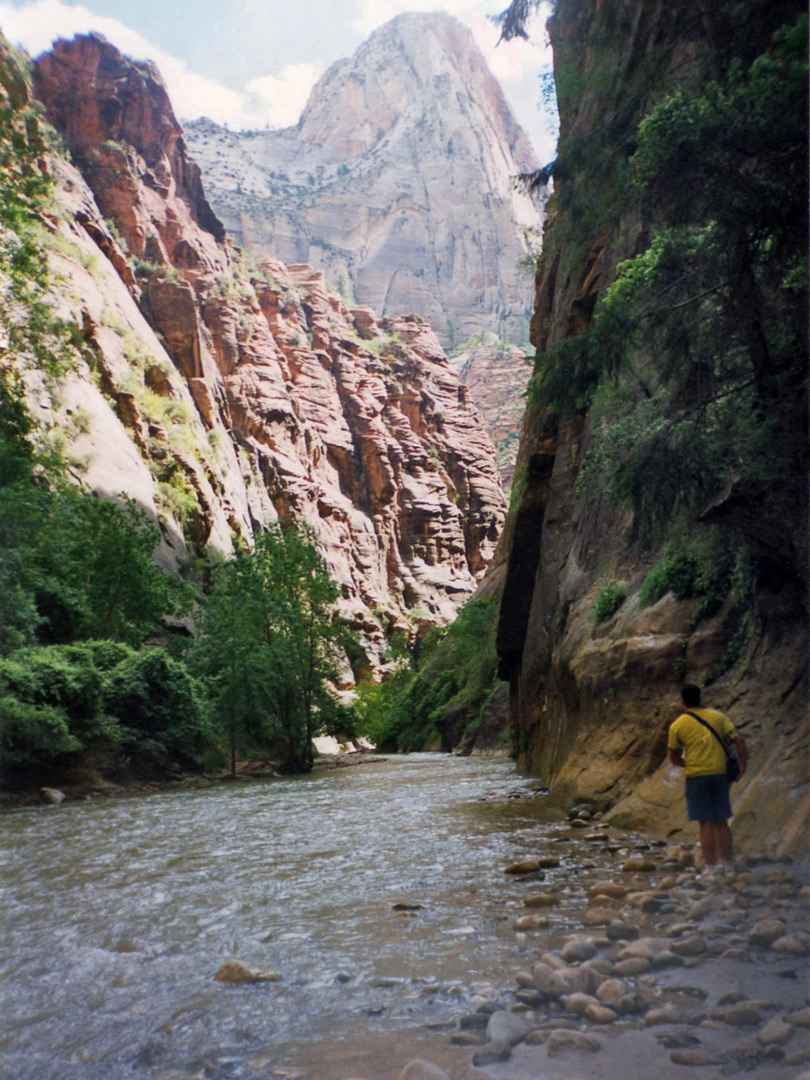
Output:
x,y
116,915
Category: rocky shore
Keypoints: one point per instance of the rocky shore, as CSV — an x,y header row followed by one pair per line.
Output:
x,y
635,967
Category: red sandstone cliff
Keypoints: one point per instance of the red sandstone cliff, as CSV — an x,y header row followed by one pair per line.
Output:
x,y
223,395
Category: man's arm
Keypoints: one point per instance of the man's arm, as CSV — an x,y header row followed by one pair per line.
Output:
x,y
676,758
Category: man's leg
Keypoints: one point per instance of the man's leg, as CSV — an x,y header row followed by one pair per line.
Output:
x,y
724,847
708,842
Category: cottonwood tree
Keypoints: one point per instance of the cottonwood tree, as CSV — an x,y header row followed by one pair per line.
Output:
x,y
270,646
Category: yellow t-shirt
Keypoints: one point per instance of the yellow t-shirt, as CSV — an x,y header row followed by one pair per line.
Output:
x,y
702,753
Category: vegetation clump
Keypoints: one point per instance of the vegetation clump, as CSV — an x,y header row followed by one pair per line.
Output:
x,y
441,690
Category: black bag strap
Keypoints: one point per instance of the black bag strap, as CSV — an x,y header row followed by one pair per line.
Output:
x,y
700,720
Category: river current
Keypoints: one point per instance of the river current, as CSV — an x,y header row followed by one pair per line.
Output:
x,y
117,914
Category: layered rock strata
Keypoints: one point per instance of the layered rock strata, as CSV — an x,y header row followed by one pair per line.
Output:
x,y
397,181
224,395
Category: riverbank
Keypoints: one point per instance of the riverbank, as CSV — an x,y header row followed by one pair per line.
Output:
x,y
88,782
636,967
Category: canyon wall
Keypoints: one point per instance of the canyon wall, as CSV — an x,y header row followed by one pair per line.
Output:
x,y
396,181
591,699
223,393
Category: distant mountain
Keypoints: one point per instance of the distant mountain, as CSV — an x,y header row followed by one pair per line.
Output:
x,y
397,182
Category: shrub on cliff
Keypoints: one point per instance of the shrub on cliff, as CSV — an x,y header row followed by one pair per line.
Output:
x,y
447,684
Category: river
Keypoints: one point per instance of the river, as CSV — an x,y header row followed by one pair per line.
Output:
x,y
117,914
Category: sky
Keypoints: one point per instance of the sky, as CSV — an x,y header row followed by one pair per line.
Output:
x,y
252,63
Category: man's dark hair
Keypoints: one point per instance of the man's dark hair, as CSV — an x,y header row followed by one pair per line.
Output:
x,y
690,695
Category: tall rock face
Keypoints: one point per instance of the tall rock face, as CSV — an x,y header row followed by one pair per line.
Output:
x,y
397,182
592,698
222,396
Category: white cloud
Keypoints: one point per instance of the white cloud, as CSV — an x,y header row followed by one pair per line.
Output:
x,y
274,100
282,97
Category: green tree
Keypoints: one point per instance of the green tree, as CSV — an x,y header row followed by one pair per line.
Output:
x,y
271,641
75,567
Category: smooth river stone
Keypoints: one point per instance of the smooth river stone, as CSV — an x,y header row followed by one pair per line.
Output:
x,y
234,971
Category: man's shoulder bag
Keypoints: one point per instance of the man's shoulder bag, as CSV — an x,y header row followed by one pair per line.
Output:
x,y
733,767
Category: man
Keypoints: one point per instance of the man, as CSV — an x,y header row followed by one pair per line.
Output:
x,y
695,749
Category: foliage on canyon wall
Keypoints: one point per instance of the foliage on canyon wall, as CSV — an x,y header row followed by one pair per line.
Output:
x,y
440,692
693,368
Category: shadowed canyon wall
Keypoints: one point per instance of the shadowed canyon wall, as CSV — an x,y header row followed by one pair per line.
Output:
x,y
591,698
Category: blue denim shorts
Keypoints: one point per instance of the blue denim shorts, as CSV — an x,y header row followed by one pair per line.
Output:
x,y
707,798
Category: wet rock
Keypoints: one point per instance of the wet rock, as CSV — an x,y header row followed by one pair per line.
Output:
x,y
234,971
561,1041
637,864
600,1014
632,1004
492,1053
581,980
419,1069
577,951
694,945
765,932
611,889
743,1015
611,990
634,965
598,916
578,1003
582,809
508,1027
536,1038
669,1014
548,982
541,900
621,931
677,1040
548,862
738,954
52,796
797,944
474,1021
468,1038
800,1018
530,922
524,866
530,998
695,1057
732,997
776,1031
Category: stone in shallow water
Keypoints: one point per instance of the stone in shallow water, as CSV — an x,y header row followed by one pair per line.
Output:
x,y
507,1026
492,1053
776,1031
695,1057
419,1069
564,1042
793,944
766,931
235,971
524,866
600,1014
575,952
